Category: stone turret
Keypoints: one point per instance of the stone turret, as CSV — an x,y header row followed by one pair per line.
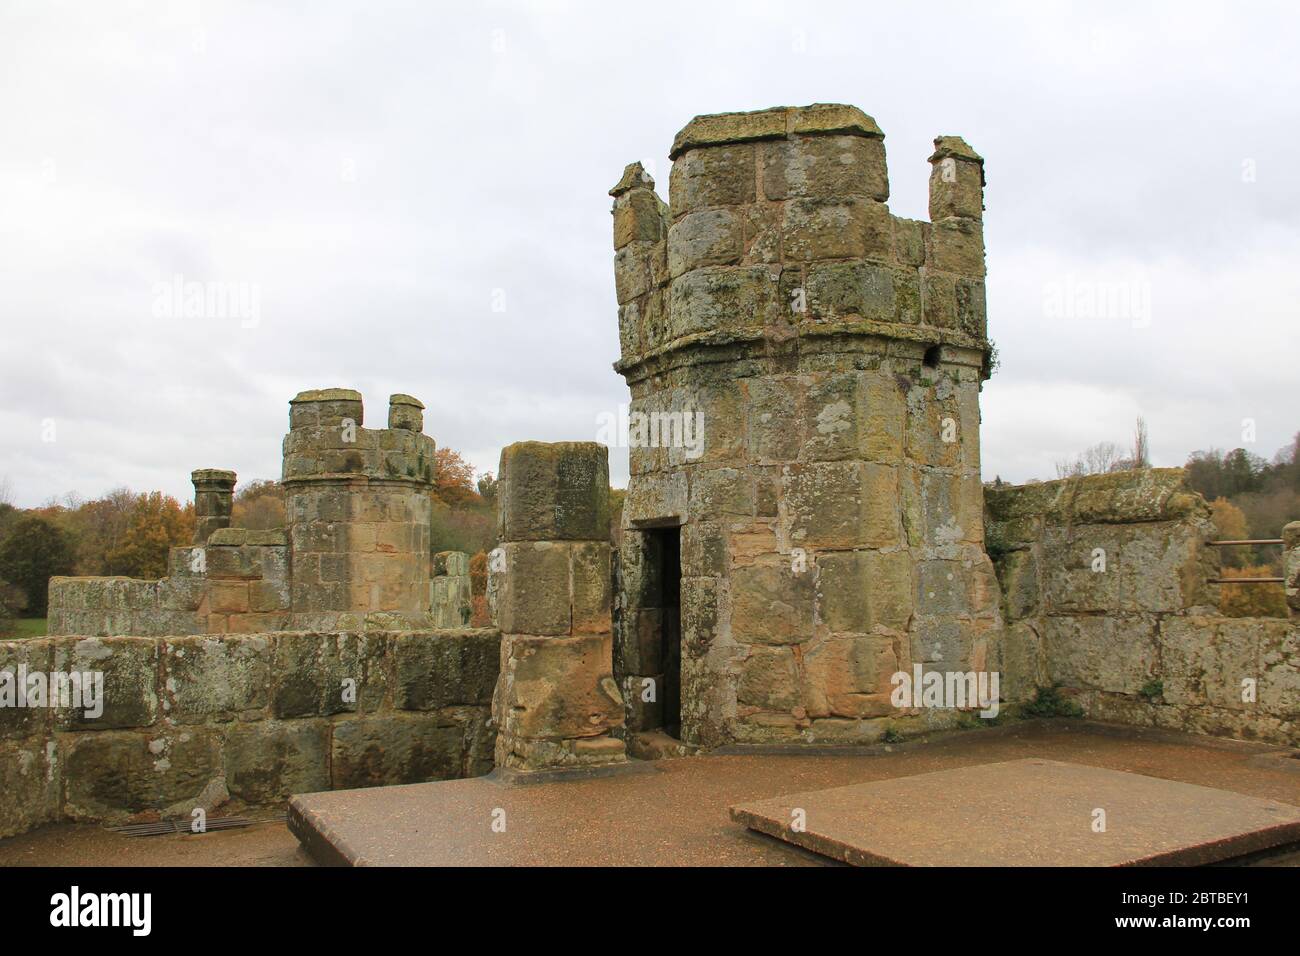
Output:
x,y
358,510
805,370
213,501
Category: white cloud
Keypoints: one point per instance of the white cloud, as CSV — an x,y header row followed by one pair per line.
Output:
x,y
379,172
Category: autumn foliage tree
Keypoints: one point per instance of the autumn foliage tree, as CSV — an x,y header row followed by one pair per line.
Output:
x,y
157,523
258,505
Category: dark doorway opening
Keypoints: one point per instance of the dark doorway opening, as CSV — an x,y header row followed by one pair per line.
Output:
x,y
665,551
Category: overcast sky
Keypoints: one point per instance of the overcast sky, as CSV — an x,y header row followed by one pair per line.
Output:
x,y
413,196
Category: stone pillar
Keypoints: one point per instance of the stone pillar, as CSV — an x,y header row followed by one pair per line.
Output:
x,y
405,412
214,489
1291,566
556,702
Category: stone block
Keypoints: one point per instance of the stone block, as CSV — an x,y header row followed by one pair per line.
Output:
x,y
833,405
638,217
774,417
843,290
971,308
956,189
269,761
771,603
129,666
322,674
1112,654
825,167
30,781
554,492
645,705
839,505
591,587
699,613
709,237
848,228
217,679
655,498
717,176
859,590
957,245
1018,576
769,679
445,668
848,675
112,776
634,269
534,595
725,298
395,749
704,549
910,237
880,430
19,660
557,688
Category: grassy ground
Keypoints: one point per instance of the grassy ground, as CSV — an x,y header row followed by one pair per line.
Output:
x,y
30,627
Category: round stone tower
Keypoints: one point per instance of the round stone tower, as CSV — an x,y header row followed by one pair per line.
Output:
x,y
358,511
804,518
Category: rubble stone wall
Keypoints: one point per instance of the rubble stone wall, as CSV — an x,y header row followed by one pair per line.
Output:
x,y
238,721
1105,592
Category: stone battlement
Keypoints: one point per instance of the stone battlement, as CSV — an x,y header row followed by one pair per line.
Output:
x,y
326,440
778,230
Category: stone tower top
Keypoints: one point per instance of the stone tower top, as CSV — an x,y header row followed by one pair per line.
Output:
x,y
777,239
326,440
778,122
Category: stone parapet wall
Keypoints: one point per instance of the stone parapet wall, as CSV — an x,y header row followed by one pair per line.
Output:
x,y
1105,583
238,582
102,606
242,721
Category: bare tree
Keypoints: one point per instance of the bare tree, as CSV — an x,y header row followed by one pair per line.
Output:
x,y
1141,448
1095,460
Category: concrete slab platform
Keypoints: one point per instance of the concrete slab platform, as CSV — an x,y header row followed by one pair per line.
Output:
x,y
679,815
1030,812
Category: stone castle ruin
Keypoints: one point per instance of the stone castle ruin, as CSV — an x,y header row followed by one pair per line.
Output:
x,y
823,531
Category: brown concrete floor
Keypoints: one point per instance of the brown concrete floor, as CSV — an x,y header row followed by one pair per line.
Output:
x,y
679,816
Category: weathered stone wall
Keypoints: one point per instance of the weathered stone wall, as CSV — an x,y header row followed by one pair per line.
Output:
x,y
238,582
1104,582
238,721
832,517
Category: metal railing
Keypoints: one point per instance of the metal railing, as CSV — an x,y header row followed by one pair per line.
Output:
x,y
1244,541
